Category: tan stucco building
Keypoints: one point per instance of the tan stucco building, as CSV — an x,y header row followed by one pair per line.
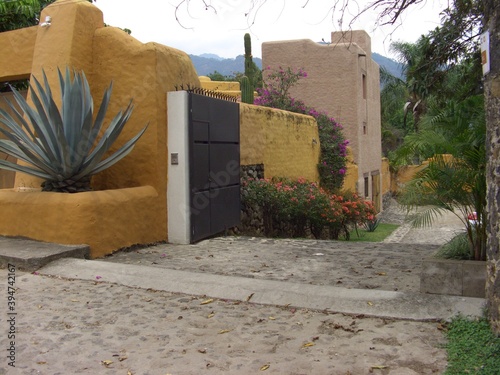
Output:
x,y
343,80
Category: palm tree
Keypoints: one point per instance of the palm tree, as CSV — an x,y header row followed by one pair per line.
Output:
x,y
456,184
422,75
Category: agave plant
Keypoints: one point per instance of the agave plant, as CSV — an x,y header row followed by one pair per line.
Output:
x,y
62,146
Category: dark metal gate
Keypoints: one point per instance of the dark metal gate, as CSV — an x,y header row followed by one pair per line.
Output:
x,y
214,159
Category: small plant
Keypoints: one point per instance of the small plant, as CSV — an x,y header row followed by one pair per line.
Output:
x,y
62,146
457,248
372,225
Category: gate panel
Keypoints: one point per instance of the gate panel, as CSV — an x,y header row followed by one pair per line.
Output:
x,y
214,142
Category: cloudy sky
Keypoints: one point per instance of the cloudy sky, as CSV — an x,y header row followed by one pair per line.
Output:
x,y
220,29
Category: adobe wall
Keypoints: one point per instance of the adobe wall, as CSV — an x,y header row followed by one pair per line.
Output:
x,y
335,84
17,53
286,143
7,178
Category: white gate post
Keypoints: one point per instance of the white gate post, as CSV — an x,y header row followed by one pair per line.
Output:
x,y
178,200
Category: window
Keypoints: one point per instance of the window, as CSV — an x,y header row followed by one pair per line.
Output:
x,y
367,187
364,85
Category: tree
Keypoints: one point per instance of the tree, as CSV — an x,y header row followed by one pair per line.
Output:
x,y
491,22
16,14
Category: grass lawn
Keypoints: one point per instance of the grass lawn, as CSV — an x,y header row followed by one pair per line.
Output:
x,y
382,231
472,348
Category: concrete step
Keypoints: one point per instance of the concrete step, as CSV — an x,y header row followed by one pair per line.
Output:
x,y
30,255
368,302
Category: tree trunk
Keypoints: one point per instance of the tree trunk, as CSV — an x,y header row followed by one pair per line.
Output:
x,y
492,96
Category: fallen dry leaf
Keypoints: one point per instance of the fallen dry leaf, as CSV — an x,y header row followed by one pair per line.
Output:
x,y
370,303
42,363
381,273
75,300
265,367
378,367
129,372
441,327
249,297
211,315
308,344
272,318
224,331
206,302
106,362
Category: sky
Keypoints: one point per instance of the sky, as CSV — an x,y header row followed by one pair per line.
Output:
x,y
220,29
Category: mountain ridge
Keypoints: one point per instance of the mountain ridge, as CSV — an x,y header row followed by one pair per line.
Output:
x,y
208,63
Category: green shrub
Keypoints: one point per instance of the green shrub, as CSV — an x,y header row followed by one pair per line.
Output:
x,y
291,208
457,248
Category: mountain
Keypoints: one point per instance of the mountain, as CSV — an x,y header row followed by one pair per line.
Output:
x,y
208,63
392,66
211,56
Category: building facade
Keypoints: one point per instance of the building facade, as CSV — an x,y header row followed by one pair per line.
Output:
x,y
344,81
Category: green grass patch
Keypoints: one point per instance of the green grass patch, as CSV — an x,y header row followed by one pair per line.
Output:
x,y
383,230
472,348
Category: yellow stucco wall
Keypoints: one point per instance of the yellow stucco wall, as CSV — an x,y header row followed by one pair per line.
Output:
x,y
224,87
208,84
286,143
386,176
351,176
105,220
129,205
17,49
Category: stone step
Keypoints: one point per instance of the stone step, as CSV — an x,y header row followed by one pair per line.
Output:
x,y
30,255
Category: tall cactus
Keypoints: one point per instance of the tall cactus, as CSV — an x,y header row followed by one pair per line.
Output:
x,y
246,90
247,85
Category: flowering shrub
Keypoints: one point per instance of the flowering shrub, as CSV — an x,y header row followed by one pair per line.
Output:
x,y
292,208
275,94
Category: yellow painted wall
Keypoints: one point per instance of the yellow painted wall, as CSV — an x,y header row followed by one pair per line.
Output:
x,y
208,84
224,87
386,176
105,220
351,176
286,143
7,178
16,55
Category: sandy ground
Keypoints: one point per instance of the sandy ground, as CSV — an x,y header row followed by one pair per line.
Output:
x,y
93,327
82,327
